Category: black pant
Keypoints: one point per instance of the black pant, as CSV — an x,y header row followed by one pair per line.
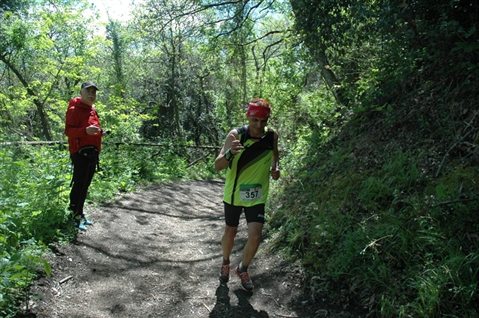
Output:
x,y
84,165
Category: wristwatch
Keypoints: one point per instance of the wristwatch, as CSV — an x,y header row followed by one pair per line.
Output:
x,y
228,155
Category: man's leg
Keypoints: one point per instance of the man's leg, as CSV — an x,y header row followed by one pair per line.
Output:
x,y
80,171
255,219
228,241
232,216
83,171
254,239
88,177
249,251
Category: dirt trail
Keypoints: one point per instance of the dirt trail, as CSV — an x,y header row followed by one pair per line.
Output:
x,y
157,253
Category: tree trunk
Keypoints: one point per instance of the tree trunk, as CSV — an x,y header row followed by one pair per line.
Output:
x,y
307,16
330,78
117,57
40,108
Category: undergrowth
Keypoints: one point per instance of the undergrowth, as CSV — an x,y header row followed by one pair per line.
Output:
x,y
383,212
34,196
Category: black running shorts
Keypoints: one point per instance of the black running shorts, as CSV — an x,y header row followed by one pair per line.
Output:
x,y
252,214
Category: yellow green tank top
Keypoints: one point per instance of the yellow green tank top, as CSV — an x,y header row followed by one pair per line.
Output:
x,y
247,176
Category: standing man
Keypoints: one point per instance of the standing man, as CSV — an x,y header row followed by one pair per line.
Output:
x,y
82,126
250,155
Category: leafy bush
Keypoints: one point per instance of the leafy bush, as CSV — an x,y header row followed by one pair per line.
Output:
x,y
387,237
31,204
34,197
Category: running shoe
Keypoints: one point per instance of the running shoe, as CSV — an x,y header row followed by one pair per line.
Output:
x,y
87,222
79,226
246,283
225,273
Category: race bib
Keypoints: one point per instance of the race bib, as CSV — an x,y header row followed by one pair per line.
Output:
x,y
251,192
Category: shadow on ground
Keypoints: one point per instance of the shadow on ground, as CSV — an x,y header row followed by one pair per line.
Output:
x,y
157,253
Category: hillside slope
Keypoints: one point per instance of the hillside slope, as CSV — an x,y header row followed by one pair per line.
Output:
x,y
384,213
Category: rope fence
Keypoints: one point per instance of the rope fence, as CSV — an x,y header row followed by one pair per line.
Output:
x,y
212,149
144,144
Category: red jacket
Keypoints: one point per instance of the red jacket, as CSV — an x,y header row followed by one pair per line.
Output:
x,y
79,116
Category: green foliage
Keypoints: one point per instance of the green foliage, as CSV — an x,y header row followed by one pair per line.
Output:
x,y
399,247
17,272
31,205
376,48
35,191
42,38
388,224
379,215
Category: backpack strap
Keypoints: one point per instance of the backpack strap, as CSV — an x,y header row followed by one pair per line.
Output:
x,y
242,131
